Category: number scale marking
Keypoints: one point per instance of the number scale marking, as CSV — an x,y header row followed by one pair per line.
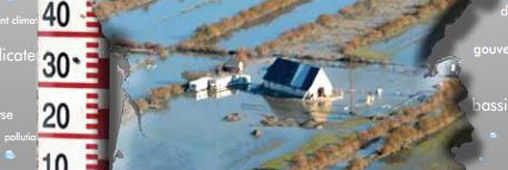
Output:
x,y
73,88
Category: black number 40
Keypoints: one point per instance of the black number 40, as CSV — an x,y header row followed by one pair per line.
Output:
x,y
62,14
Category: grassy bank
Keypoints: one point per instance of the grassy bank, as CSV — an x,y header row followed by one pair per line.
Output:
x,y
254,14
399,25
109,8
317,141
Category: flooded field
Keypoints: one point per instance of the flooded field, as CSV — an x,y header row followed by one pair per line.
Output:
x,y
302,14
170,21
190,132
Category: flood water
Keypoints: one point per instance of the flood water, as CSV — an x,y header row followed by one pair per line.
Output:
x,y
169,21
190,133
408,47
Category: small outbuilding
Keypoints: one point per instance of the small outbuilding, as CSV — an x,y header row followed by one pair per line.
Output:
x,y
298,79
234,65
447,67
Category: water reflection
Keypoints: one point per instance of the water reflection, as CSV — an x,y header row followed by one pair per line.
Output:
x,y
299,110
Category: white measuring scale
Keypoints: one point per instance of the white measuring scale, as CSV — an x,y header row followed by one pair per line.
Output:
x,y
73,88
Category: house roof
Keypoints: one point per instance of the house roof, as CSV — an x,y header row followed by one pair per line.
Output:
x,y
449,59
291,73
233,62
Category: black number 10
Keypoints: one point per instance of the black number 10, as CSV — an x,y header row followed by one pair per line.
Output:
x,y
60,162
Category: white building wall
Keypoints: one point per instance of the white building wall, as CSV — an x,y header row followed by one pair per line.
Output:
x,y
199,84
323,81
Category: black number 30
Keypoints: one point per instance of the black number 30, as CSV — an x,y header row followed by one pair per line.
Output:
x,y
61,66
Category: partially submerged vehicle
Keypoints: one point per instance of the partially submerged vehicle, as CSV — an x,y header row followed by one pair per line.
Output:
x,y
218,83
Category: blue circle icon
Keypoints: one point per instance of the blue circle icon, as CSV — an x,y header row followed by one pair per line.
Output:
x,y
9,155
493,135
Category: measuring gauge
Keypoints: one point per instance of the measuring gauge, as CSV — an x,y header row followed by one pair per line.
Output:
x,y
73,88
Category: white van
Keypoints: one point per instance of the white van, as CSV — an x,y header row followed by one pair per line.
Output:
x,y
200,84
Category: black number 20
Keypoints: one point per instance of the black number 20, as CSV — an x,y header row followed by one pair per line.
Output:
x,y
62,109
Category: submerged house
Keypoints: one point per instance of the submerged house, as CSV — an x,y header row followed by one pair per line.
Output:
x,y
301,80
